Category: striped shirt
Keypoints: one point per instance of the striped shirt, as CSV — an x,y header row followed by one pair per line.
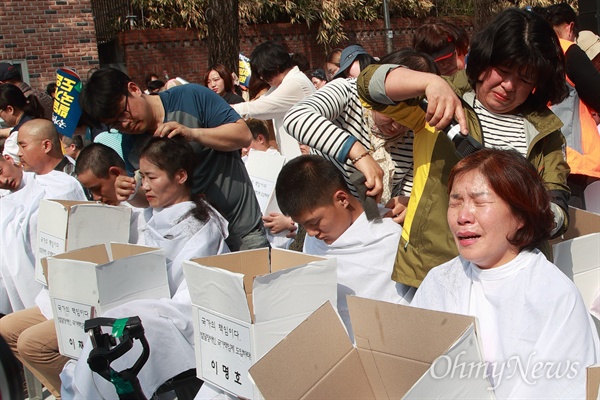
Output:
x,y
332,120
503,131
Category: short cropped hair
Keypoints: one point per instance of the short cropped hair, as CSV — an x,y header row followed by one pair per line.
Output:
x,y
98,158
306,183
524,39
269,59
412,59
257,127
224,73
100,97
515,180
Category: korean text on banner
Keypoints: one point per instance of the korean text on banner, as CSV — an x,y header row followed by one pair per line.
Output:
x,y
66,110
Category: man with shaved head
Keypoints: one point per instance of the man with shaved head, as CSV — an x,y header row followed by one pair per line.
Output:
x,y
40,150
41,156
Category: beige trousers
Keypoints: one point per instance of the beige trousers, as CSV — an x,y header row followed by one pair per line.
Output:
x,y
33,340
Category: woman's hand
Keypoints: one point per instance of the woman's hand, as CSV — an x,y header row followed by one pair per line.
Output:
x,y
397,206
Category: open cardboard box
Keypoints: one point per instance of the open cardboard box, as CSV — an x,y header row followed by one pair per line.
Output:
x,y
68,225
577,253
400,352
246,302
85,283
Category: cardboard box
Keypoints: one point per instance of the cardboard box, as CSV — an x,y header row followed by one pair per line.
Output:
x,y
244,304
69,225
400,352
85,283
577,254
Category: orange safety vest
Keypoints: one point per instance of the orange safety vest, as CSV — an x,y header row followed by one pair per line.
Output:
x,y
580,131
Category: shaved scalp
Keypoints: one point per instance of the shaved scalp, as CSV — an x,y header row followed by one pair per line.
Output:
x,y
42,129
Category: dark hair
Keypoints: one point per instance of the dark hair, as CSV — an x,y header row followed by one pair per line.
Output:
x,y
148,77
515,180
558,14
172,155
11,95
523,39
257,127
412,59
51,88
77,140
307,182
155,85
224,73
100,97
301,61
98,158
269,59
432,37
334,56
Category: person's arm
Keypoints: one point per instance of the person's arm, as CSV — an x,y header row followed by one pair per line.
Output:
x,y
5,132
584,75
554,173
273,105
384,85
227,137
319,112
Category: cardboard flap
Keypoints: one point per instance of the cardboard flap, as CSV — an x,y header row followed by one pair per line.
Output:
x,y
304,357
581,223
123,250
249,263
140,274
298,290
404,331
217,289
67,204
108,222
97,254
593,382
283,259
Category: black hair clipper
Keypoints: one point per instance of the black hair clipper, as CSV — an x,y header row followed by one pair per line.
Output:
x,y
369,204
464,144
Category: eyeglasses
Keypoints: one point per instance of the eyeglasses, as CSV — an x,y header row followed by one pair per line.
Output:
x,y
121,118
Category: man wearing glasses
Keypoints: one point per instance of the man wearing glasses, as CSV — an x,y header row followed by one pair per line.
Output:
x,y
201,116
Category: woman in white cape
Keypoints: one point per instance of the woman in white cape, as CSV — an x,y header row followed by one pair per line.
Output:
x,y
537,336
185,229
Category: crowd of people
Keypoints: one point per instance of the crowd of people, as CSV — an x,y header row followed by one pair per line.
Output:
x,y
465,234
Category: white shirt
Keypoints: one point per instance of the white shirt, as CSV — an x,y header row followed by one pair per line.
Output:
x,y
530,316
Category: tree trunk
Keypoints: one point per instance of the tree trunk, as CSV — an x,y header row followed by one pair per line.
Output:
x,y
223,33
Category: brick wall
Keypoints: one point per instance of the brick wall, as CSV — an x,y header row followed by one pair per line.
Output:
x,y
180,53
48,34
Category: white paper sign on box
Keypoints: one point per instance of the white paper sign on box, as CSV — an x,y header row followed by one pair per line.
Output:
x,y
400,352
244,305
70,225
100,278
263,169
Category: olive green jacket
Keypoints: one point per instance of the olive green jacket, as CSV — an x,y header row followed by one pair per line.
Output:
x,y
426,238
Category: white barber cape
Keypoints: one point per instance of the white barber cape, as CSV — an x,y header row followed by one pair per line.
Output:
x,y
18,223
537,335
167,322
365,256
